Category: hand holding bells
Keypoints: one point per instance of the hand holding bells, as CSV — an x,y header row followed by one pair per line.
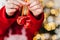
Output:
x,y
24,19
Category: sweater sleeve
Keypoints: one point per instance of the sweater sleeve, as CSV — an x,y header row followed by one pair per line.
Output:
x,y
5,22
36,23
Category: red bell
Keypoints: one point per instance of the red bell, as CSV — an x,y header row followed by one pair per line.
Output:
x,y
21,20
24,20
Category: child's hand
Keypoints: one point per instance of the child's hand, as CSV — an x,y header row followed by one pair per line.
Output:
x,y
35,7
13,5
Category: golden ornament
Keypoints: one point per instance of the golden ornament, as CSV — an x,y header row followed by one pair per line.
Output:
x,y
38,36
50,4
42,37
54,37
50,26
47,27
54,12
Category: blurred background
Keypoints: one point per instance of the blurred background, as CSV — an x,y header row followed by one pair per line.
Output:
x,y
50,29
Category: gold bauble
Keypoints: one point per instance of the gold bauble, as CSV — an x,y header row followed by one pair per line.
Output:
x,y
38,36
47,27
42,37
53,25
50,26
50,4
54,12
54,37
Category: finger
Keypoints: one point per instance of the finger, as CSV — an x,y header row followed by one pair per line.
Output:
x,y
10,11
12,6
35,7
15,2
36,13
33,4
23,2
38,10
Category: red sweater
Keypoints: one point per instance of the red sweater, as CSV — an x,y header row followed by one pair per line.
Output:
x,y
6,23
